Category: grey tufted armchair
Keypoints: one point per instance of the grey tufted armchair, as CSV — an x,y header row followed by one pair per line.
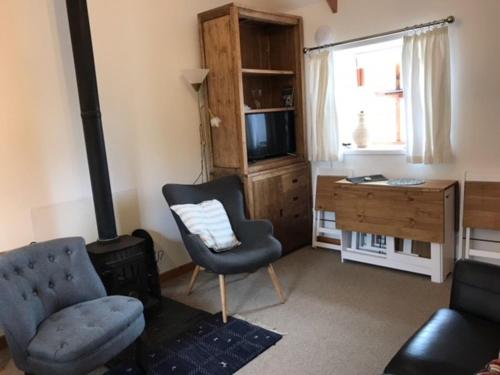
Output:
x,y
55,313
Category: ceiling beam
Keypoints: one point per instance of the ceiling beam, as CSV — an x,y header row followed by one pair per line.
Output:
x,y
333,5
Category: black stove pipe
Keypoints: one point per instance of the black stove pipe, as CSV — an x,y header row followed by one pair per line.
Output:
x,y
86,79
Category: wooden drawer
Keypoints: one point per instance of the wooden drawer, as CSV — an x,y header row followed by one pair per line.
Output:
x,y
412,214
298,179
295,231
295,202
294,219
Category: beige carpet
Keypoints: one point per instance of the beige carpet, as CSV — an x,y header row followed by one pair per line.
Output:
x,y
339,318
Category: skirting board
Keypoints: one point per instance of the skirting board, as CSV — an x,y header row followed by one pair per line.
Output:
x,y
176,272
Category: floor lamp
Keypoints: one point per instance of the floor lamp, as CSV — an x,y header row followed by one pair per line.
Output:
x,y
196,78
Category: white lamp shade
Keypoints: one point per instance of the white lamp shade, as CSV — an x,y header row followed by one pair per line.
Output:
x,y
195,77
323,35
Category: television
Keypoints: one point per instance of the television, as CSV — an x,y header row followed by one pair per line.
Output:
x,y
270,134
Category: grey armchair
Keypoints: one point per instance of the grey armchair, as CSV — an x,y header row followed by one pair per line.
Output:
x,y
259,248
55,313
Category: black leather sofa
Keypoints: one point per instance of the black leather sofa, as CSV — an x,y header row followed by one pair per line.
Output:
x,y
461,339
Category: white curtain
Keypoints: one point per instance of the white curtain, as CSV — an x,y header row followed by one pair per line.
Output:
x,y
323,132
426,80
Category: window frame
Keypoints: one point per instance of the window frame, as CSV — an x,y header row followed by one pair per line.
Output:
x,y
381,148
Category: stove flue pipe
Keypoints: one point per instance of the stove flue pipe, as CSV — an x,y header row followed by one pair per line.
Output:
x,y
83,56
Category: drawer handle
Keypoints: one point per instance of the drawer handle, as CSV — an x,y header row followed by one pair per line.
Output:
x,y
295,198
295,180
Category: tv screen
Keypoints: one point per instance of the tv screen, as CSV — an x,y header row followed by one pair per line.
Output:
x,y
270,134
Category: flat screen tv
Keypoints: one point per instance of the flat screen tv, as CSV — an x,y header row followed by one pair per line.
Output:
x,y
270,134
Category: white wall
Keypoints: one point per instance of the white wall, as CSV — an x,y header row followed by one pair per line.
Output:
x,y
475,77
149,115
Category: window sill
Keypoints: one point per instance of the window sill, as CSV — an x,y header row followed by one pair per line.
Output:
x,y
377,150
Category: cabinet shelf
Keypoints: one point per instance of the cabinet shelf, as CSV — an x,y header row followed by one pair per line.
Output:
x,y
267,110
267,72
273,163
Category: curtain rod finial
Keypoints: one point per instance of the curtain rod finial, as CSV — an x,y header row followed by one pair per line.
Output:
x,y
450,19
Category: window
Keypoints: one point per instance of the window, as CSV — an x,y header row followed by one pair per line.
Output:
x,y
368,79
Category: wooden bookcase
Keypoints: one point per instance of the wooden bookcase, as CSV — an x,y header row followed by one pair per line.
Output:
x,y
253,56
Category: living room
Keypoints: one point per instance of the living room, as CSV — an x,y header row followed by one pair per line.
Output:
x,y
171,95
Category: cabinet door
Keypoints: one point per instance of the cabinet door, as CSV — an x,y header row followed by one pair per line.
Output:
x,y
267,204
267,200
221,57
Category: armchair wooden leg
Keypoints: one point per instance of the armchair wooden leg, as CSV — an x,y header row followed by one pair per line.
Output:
x,y
196,271
276,283
222,285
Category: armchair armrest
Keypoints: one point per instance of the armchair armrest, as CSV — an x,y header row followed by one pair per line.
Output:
x,y
198,251
248,229
476,289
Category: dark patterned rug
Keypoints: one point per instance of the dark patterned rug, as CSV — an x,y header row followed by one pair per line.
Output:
x,y
207,347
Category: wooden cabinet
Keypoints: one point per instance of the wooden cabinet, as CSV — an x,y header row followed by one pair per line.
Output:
x,y
284,197
253,56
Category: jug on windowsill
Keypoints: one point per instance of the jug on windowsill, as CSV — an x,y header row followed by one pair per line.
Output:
x,y
360,134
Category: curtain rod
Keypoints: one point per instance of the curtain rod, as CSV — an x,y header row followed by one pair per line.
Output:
x,y
449,19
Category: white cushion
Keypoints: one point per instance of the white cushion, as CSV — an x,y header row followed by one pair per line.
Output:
x,y
209,221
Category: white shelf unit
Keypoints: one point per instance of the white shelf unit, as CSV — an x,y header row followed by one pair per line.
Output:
x,y
395,259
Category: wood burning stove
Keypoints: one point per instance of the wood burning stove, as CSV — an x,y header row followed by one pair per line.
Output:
x,y
125,267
